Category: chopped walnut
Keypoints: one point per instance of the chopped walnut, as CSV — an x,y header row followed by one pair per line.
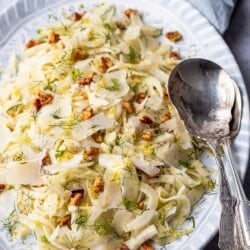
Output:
x,y
46,159
130,11
42,100
65,220
76,197
141,205
11,113
39,186
78,16
45,98
53,37
79,54
165,118
123,247
165,93
174,55
84,96
86,113
3,187
146,120
120,25
147,136
98,185
140,97
87,80
146,246
128,106
32,43
173,36
104,64
98,137
37,104
91,153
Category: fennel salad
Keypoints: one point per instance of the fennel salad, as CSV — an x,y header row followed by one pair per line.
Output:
x,y
91,146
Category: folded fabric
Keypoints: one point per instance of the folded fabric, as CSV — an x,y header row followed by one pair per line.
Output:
x,y
218,12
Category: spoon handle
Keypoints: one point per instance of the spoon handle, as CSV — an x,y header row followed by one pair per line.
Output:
x,y
242,208
226,230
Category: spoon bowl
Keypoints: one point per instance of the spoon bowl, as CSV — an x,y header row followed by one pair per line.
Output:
x,y
209,102
204,96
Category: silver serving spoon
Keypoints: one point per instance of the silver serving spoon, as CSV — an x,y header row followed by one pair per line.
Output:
x,y
209,103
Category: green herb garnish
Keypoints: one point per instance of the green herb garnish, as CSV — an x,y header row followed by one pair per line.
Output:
x,y
81,6
76,74
56,114
185,164
130,205
59,153
44,239
19,156
49,87
115,86
131,55
9,222
15,108
103,227
81,220
39,31
109,26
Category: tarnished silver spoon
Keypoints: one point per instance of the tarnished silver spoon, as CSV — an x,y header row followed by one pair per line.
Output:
x,y
209,103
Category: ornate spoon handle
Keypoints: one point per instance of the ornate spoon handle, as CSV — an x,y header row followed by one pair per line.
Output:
x,y
242,208
226,230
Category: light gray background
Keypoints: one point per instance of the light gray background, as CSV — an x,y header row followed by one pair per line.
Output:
x,y
238,39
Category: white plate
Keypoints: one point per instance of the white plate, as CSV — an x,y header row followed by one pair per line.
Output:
x,y
21,19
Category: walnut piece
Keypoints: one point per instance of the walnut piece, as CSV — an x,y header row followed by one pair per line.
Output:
x,y
3,187
76,16
98,137
165,118
76,197
120,25
46,159
130,11
86,113
128,106
65,220
53,37
104,64
141,205
146,120
98,185
87,80
173,36
79,54
91,153
84,95
123,247
147,136
140,97
146,246
174,55
165,93
32,42
42,100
